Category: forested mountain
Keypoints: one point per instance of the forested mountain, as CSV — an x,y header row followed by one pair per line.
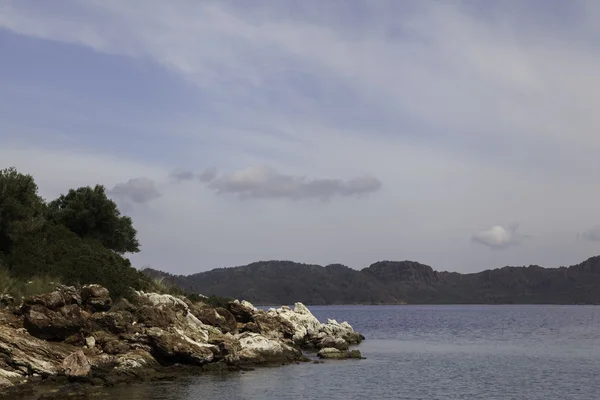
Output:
x,y
395,282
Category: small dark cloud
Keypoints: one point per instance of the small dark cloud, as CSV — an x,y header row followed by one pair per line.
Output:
x,y
265,182
208,175
182,175
592,235
137,190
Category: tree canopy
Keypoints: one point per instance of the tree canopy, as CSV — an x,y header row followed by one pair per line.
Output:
x,y
90,214
79,237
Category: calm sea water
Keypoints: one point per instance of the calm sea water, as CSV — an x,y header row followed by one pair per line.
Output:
x,y
429,353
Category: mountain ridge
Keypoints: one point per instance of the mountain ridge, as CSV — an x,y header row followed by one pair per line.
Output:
x,y
394,282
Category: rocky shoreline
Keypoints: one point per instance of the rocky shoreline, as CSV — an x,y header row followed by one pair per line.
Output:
x,y
80,337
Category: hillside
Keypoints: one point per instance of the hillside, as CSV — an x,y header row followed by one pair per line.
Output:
x,y
393,282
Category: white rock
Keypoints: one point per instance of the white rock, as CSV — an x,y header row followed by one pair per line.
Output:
x,y
90,342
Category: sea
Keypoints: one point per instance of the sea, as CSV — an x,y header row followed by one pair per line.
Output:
x,y
531,352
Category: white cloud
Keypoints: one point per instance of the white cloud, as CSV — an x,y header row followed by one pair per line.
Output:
x,y
498,237
266,182
137,190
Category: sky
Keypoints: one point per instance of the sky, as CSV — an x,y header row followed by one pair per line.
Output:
x,y
460,134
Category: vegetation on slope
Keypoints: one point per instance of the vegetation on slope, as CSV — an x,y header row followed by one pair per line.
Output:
x,y
78,238
393,282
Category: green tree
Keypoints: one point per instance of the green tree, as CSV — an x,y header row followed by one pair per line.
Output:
x,y
21,208
90,214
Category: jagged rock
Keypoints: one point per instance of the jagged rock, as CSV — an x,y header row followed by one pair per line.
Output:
x,y
52,301
160,317
76,365
219,317
242,312
29,355
257,349
115,322
44,323
308,331
332,353
272,326
177,348
70,294
135,359
330,341
96,298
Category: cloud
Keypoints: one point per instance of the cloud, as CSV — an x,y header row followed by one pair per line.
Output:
x,y
181,175
592,235
499,237
207,175
266,182
137,190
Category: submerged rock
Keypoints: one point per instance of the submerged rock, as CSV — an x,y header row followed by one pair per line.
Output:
x,y
333,353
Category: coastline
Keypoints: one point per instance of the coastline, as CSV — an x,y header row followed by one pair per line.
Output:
x,y
79,339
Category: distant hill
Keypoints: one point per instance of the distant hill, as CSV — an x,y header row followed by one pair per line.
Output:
x,y
395,282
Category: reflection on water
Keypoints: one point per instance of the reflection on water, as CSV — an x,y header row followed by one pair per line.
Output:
x,y
428,352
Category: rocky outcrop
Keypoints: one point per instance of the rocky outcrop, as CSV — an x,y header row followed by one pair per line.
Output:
x,y
82,336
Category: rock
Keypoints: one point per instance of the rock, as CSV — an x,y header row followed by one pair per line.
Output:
x,y
257,349
219,317
332,353
96,298
177,348
5,383
160,317
330,341
31,355
115,347
46,324
242,312
6,300
70,294
271,326
135,359
115,322
76,365
52,301
90,342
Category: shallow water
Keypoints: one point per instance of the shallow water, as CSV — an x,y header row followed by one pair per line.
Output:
x,y
429,353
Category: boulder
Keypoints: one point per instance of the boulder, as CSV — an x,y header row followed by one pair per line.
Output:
x,y
271,326
52,301
30,355
332,353
330,341
257,349
96,298
219,317
44,323
116,347
176,348
242,312
115,322
76,365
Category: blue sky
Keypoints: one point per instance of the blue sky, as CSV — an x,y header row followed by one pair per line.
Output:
x,y
462,134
